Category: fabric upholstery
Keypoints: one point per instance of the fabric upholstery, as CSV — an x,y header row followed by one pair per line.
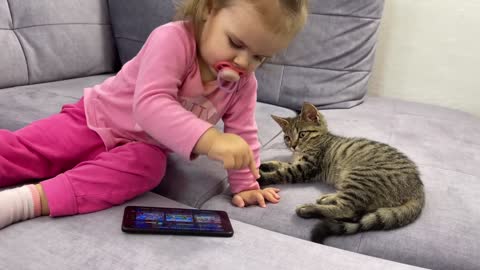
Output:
x,y
444,143
134,20
95,241
21,105
46,40
329,63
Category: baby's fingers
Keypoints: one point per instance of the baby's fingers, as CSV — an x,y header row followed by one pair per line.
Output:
x,y
253,167
238,201
260,199
273,191
271,196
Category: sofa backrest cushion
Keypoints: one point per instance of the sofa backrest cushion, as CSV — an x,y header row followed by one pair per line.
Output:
x,y
47,40
133,21
328,64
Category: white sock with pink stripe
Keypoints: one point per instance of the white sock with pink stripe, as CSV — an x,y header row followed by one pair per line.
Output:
x,y
19,204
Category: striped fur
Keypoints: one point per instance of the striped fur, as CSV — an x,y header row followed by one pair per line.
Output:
x,y
378,187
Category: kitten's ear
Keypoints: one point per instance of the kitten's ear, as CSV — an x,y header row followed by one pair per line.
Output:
x,y
309,112
281,121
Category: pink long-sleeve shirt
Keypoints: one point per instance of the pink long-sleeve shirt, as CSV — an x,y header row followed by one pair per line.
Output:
x,y
158,97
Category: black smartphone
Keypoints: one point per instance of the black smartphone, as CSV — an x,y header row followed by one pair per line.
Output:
x,y
162,220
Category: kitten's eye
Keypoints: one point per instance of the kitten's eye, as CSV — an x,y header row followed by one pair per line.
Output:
x,y
287,139
302,134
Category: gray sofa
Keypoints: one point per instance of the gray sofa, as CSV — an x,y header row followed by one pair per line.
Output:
x,y
51,50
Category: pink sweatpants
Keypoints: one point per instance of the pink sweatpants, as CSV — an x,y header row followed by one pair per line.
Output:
x,y
81,176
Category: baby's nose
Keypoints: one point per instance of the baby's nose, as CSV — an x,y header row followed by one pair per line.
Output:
x,y
241,61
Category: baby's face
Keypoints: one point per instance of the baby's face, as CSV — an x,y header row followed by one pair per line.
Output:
x,y
237,34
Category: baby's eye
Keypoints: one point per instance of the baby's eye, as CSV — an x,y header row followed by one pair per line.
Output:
x,y
302,134
234,44
260,58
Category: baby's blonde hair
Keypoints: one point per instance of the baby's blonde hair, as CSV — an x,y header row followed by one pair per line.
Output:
x,y
293,19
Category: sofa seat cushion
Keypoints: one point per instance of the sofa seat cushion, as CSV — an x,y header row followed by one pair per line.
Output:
x,y
95,241
446,146
22,105
194,182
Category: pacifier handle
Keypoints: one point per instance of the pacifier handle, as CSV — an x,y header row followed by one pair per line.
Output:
x,y
227,85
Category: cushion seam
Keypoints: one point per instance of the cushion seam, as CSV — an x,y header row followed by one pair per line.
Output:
x,y
347,16
320,68
54,24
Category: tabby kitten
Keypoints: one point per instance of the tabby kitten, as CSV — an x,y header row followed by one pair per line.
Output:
x,y
377,186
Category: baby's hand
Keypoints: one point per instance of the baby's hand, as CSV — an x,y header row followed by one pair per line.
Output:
x,y
231,149
234,152
258,196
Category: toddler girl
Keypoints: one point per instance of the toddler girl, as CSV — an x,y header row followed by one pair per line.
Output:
x,y
111,145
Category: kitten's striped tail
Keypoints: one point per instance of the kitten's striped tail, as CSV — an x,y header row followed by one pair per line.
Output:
x,y
381,219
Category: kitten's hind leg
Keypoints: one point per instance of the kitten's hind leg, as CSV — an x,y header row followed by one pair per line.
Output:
x,y
334,211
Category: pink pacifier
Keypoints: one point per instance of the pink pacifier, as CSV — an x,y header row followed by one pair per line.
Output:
x,y
228,75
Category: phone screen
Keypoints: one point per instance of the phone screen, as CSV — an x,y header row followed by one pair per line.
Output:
x,y
141,219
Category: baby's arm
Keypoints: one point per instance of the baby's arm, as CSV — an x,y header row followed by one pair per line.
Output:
x,y
156,108
239,119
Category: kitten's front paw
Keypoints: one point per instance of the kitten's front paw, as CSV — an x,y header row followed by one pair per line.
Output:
x,y
306,210
269,166
265,179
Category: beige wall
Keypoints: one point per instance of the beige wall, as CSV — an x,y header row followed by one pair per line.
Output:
x,y
429,51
